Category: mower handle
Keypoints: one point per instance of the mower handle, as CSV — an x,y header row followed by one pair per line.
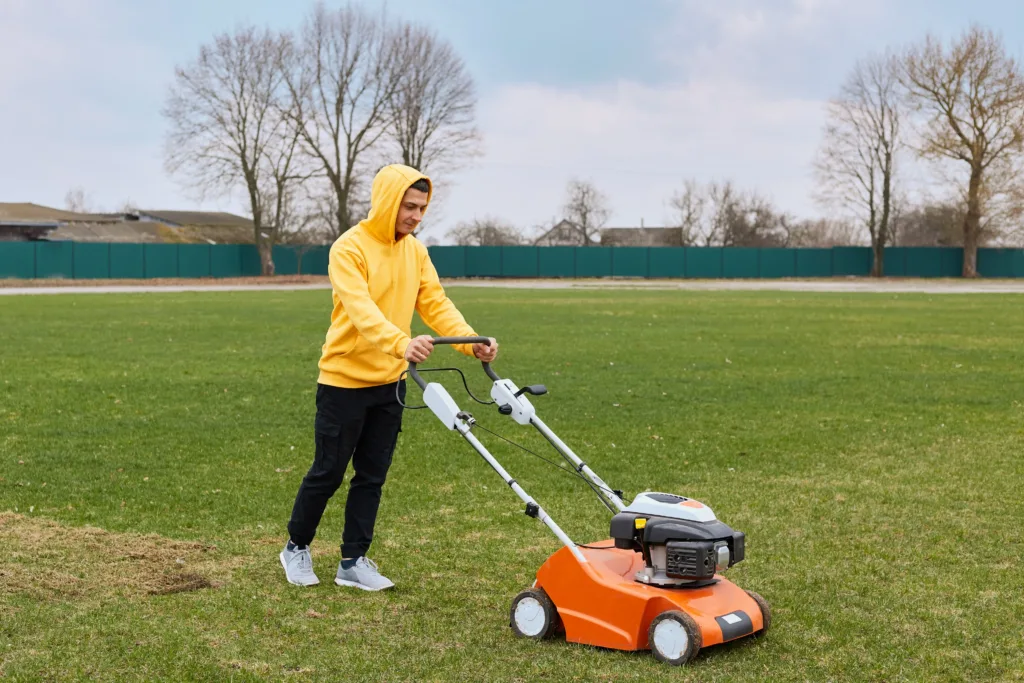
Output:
x,y
454,340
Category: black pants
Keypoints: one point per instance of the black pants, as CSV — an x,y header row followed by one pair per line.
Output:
x,y
360,425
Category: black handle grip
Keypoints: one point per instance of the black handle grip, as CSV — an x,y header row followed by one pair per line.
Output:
x,y
462,340
452,340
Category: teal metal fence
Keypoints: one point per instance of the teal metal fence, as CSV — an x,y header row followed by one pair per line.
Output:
x,y
715,262
90,260
77,260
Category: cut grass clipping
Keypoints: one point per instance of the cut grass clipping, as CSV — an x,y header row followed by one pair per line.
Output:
x,y
868,445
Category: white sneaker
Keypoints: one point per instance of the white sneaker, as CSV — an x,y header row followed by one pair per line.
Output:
x,y
298,567
364,575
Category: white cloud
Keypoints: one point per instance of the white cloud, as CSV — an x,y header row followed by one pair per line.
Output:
x,y
637,143
747,105
772,43
82,91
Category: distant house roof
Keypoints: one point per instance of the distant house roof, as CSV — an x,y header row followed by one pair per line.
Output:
x,y
126,231
204,218
19,230
151,231
563,234
642,237
28,212
27,221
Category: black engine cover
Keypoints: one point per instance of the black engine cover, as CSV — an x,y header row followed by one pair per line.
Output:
x,y
690,559
666,530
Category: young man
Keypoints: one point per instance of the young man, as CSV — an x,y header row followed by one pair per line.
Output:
x,y
380,274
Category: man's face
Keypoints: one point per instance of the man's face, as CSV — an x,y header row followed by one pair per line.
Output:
x,y
410,213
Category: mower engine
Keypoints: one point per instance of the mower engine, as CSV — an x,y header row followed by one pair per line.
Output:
x,y
682,542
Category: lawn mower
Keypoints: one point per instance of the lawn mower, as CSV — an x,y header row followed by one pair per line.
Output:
x,y
655,584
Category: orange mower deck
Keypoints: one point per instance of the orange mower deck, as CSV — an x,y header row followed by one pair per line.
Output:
x,y
601,604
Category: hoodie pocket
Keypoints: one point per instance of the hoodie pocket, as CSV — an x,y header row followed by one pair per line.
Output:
x,y
341,343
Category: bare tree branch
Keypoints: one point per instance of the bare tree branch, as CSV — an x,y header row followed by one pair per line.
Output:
x,y
341,85
228,130
689,206
78,201
432,108
586,209
718,214
486,232
972,95
856,164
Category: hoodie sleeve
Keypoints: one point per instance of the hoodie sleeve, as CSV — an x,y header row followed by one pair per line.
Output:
x,y
348,275
436,309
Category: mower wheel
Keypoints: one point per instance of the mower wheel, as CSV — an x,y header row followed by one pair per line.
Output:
x,y
674,637
766,612
533,615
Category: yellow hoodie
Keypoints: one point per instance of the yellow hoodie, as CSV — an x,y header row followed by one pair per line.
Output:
x,y
378,282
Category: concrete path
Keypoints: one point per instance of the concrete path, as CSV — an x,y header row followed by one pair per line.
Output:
x,y
852,285
137,289
840,286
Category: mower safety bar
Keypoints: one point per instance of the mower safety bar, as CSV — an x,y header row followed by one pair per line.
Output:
x,y
462,340
454,340
507,396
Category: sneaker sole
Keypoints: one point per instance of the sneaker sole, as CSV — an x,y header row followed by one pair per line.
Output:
x,y
360,586
294,583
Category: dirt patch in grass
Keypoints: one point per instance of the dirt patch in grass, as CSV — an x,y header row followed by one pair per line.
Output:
x,y
47,560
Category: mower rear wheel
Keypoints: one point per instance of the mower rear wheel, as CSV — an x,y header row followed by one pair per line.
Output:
x,y
674,637
533,615
766,612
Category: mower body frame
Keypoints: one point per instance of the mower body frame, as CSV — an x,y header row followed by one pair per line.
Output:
x,y
601,604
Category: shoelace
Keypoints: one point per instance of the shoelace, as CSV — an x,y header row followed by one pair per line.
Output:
x,y
305,561
367,562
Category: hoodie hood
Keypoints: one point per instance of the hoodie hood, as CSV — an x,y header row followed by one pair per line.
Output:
x,y
389,186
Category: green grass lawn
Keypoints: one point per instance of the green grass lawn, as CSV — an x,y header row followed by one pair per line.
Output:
x,y
870,446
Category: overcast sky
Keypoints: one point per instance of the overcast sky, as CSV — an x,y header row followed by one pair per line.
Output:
x,y
633,96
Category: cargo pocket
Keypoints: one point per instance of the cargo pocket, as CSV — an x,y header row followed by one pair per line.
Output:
x,y
325,427
327,438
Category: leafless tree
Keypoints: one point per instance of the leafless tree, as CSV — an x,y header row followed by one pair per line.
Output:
x,y
308,227
934,224
822,233
750,220
719,214
486,232
77,201
856,164
972,97
341,88
689,205
586,208
722,208
433,106
229,129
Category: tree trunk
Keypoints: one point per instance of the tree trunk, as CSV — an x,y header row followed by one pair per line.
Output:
x,y
971,253
882,231
972,225
878,263
266,250
344,220
342,216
